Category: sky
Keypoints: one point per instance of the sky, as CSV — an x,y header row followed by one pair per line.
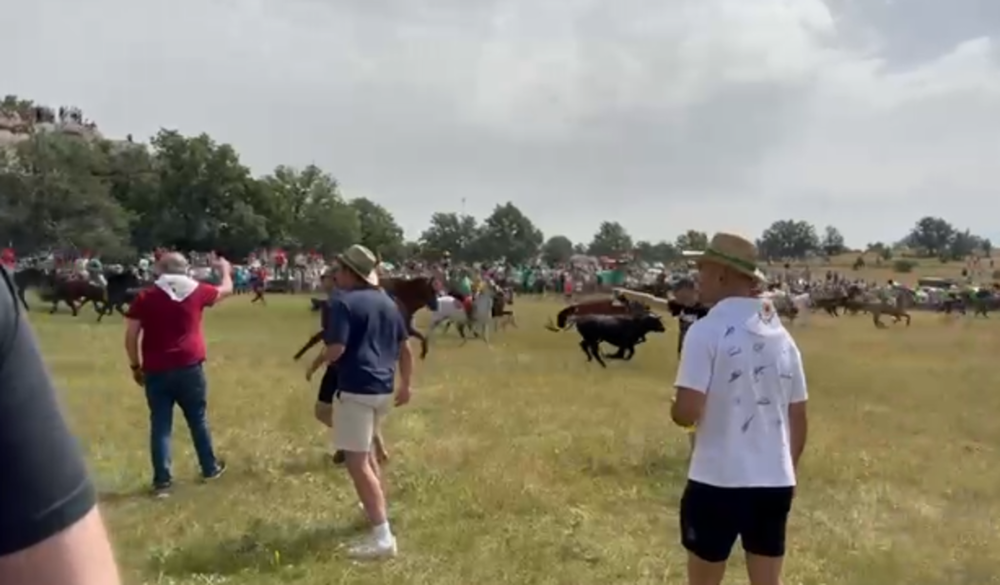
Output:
x,y
663,115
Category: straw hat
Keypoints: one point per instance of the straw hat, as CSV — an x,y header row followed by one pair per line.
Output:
x,y
361,261
733,252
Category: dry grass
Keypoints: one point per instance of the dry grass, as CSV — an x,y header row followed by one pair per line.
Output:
x,y
522,464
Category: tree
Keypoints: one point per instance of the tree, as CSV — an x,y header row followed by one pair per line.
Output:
x,y
579,248
692,240
986,247
557,250
788,239
611,239
379,230
452,233
50,197
962,245
833,241
661,251
931,235
306,211
508,233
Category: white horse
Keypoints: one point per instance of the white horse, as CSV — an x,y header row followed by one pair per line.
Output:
x,y
450,310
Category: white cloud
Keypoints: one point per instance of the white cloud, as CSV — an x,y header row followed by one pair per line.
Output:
x,y
713,114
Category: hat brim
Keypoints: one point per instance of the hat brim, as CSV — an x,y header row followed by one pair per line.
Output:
x,y
370,277
712,256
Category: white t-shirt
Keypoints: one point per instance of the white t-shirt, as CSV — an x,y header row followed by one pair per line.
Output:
x,y
745,361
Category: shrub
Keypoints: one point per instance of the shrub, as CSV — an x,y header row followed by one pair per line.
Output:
x,y
996,275
903,266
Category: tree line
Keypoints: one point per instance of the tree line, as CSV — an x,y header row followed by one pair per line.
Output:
x,y
192,193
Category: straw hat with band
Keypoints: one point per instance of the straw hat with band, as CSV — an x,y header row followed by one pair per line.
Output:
x,y
733,252
362,262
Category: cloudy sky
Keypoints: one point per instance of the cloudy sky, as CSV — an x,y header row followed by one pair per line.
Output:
x,y
661,114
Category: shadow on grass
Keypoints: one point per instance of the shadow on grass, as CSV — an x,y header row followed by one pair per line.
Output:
x,y
263,548
112,497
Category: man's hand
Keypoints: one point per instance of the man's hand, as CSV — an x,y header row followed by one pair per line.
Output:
x,y
222,265
403,396
137,376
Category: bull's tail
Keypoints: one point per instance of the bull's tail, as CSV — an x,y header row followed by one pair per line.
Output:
x,y
309,345
562,320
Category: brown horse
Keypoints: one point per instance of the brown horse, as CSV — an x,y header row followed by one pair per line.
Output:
x,y
594,307
410,294
58,288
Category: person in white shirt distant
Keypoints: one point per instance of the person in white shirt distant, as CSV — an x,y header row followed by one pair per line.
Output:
x,y
740,380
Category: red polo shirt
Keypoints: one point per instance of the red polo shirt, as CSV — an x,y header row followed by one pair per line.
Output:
x,y
171,330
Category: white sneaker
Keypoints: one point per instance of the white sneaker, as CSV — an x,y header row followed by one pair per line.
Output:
x,y
372,549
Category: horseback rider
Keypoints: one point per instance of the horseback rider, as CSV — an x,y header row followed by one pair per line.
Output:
x,y
95,273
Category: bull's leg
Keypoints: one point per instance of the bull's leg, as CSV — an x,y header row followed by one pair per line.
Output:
x,y
73,307
907,316
618,355
55,307
595,349
586,350
629,352
24,302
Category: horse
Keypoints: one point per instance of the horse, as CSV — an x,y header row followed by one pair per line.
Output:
x,y
451,310
613,306
57,288
122,289
411,295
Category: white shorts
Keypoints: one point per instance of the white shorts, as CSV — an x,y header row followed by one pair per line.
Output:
x,y
356,420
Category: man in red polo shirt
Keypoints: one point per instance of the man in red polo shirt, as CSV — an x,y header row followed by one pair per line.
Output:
x,y
167,316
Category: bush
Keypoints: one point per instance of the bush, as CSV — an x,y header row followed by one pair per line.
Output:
x,y
996,275
903,266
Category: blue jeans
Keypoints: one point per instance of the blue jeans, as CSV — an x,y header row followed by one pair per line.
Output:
x,y
187,388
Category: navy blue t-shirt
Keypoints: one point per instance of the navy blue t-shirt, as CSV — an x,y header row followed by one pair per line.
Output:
x,y
370,327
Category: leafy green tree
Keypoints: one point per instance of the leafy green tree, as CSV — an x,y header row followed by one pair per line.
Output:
x,y
379,230
557,250
611,239
508,233
833,241
788,239
452,233
692,240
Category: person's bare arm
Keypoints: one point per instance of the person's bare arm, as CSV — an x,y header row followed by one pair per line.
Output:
x,y
79,555
651,301
225,287
133,328
798,420
405,364
694,376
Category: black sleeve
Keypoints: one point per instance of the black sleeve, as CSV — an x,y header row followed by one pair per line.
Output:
x,y
44,485
700,310
674,307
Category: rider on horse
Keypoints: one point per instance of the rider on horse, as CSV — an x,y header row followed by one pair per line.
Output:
x,y
95,273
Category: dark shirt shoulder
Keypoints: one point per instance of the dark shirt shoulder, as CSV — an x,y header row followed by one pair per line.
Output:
x,y
371,328
45,487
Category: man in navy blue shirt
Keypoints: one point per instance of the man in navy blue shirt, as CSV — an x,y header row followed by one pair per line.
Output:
x,y
366,337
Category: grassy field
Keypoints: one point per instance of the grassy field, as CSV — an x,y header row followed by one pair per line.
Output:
x,y
519,463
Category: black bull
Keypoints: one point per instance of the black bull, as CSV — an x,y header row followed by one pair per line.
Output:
x,y
621,331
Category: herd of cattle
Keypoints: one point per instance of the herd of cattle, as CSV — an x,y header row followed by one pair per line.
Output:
x,y
616,321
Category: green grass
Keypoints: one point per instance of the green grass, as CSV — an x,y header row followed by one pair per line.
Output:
x,y
520,463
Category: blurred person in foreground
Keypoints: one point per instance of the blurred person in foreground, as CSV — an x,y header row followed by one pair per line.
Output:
x,y
51,532
167,316
741,381
366,338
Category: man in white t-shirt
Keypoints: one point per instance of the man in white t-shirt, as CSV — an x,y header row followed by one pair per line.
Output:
x,y
741,381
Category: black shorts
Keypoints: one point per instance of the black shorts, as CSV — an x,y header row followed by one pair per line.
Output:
x,y
328,386
712,517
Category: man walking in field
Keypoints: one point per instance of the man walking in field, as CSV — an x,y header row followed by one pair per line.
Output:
x,y
167,316
741,381
365,338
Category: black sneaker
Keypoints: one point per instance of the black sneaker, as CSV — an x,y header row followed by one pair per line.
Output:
x,y
162,490
220,468
338,458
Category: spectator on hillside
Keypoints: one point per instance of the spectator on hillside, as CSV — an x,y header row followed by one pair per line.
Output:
x,y
366,337
168,317
741,381
51,532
